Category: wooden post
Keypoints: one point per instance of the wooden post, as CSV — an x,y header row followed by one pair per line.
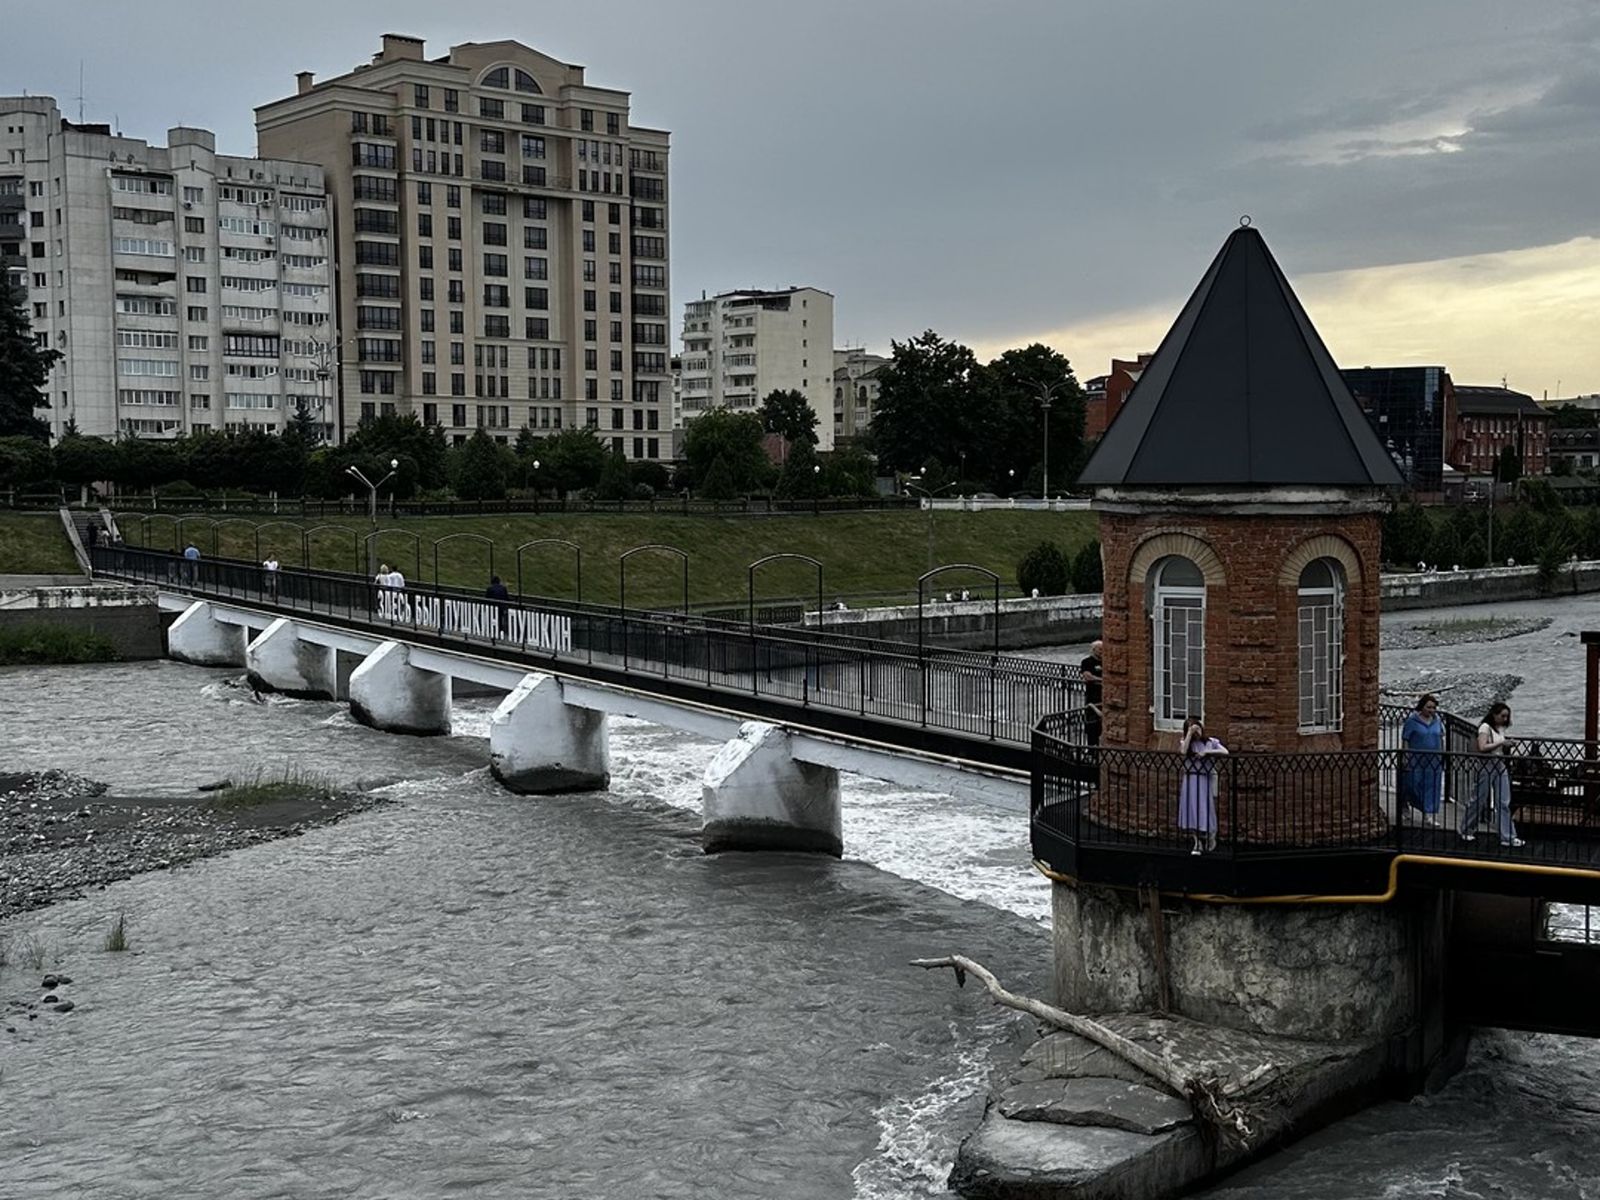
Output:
x,y
1591,717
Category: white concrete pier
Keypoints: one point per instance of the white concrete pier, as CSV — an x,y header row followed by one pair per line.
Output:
x,y
387,692
279,660
757,796
539,743
198,637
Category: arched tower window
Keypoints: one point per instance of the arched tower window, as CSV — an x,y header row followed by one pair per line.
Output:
x,y
1177,602
526,82
498,78
1321,621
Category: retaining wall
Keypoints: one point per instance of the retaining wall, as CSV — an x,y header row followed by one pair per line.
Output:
x,y
127,616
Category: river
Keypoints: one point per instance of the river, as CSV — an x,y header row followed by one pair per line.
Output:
x,y
479,994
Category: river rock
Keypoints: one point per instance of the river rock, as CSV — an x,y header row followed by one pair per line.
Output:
x,y
48,982
65,1006
52,998
1108,1103
1035,1160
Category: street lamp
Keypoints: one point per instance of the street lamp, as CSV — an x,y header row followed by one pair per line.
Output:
x,y
929,495
372,488
1047,392
323,354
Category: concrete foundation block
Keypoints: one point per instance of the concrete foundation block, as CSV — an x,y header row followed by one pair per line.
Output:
x,y
539,744
755,796
277,660
388,693
198,637
1333,972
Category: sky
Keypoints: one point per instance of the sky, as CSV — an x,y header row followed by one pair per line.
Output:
x,y
1017,170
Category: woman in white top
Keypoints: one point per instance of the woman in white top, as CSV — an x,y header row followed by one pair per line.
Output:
x,y
1492,791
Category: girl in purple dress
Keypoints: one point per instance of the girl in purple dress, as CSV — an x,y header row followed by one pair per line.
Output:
x,y
1197,800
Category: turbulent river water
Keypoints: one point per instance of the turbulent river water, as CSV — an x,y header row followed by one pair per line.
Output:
x,y
481,995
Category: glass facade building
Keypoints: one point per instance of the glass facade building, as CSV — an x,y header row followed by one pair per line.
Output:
x,y
1408,408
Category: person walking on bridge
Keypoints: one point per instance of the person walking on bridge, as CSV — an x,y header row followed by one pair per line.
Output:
x,y
496,590
191,563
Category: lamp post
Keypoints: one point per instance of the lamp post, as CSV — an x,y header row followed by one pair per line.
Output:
x,y
1047,393
928,495
323,355
372,496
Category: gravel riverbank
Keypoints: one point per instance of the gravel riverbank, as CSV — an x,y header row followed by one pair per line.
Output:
x,y
62,835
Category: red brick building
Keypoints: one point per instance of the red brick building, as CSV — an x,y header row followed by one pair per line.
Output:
x,y
1488,419
1240,495
1104,395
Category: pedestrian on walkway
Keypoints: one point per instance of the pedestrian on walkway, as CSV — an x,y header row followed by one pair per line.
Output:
x,y
269,576
1422,776
497,590
1492,792
1197,794
191,563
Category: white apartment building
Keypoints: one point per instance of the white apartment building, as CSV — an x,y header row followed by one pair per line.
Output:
x,y
738,347
855,391
186,290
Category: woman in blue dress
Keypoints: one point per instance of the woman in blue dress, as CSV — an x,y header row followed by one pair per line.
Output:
x,y
1197,793
1422,764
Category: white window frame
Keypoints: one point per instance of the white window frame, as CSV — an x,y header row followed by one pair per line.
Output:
x,y
1319,623
1177,615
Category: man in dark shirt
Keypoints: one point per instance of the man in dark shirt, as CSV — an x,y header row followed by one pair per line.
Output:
x,y
1092,678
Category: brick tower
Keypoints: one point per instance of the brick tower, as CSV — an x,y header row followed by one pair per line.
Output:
x,y
1239,493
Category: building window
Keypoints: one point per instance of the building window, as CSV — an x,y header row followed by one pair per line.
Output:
x,y
1178,641
1321,613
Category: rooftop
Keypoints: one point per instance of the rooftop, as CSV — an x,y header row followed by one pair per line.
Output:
x,y
1241,391
1474,399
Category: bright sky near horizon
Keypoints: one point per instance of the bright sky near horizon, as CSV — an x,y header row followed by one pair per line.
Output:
x,y
1426,173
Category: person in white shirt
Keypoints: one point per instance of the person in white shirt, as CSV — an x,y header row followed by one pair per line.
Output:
x,y
270,566
1492,791
396,580
382,577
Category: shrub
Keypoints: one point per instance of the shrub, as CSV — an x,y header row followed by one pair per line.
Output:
x,y
1045,568
1088,573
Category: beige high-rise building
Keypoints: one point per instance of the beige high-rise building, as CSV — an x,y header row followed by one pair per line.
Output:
x,y
501,240
739,347
186,290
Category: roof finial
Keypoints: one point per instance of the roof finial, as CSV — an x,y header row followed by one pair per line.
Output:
x,y
1244,221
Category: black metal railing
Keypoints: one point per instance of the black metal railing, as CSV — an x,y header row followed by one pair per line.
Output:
x,y
754,506
976,702
1540,803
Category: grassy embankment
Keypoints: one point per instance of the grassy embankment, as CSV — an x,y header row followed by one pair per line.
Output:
x,y
875,555
35,544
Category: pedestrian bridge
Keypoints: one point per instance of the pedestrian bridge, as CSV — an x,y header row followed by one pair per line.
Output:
x,y
793,706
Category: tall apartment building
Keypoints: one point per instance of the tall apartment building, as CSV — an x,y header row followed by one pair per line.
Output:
x,y
740,346
502,242
185,289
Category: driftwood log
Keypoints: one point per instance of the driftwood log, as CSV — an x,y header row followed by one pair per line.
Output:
x,y
1214,1100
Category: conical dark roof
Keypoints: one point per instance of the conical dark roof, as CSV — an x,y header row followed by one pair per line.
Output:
x,y
1241,391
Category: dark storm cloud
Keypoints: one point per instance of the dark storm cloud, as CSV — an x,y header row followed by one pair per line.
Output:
x,y
984,169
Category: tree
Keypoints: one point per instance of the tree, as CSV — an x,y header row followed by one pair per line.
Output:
x,y
789,413
849,472
24,461
1407,535
84,460
927,408
1088,572
734,438
801,477
392,435
571,460
717,482
1044,568
614,483
24,369
526,448
480,469
1014,386
303,429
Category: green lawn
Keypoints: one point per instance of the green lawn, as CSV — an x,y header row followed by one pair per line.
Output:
x,y
861,553
35,544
